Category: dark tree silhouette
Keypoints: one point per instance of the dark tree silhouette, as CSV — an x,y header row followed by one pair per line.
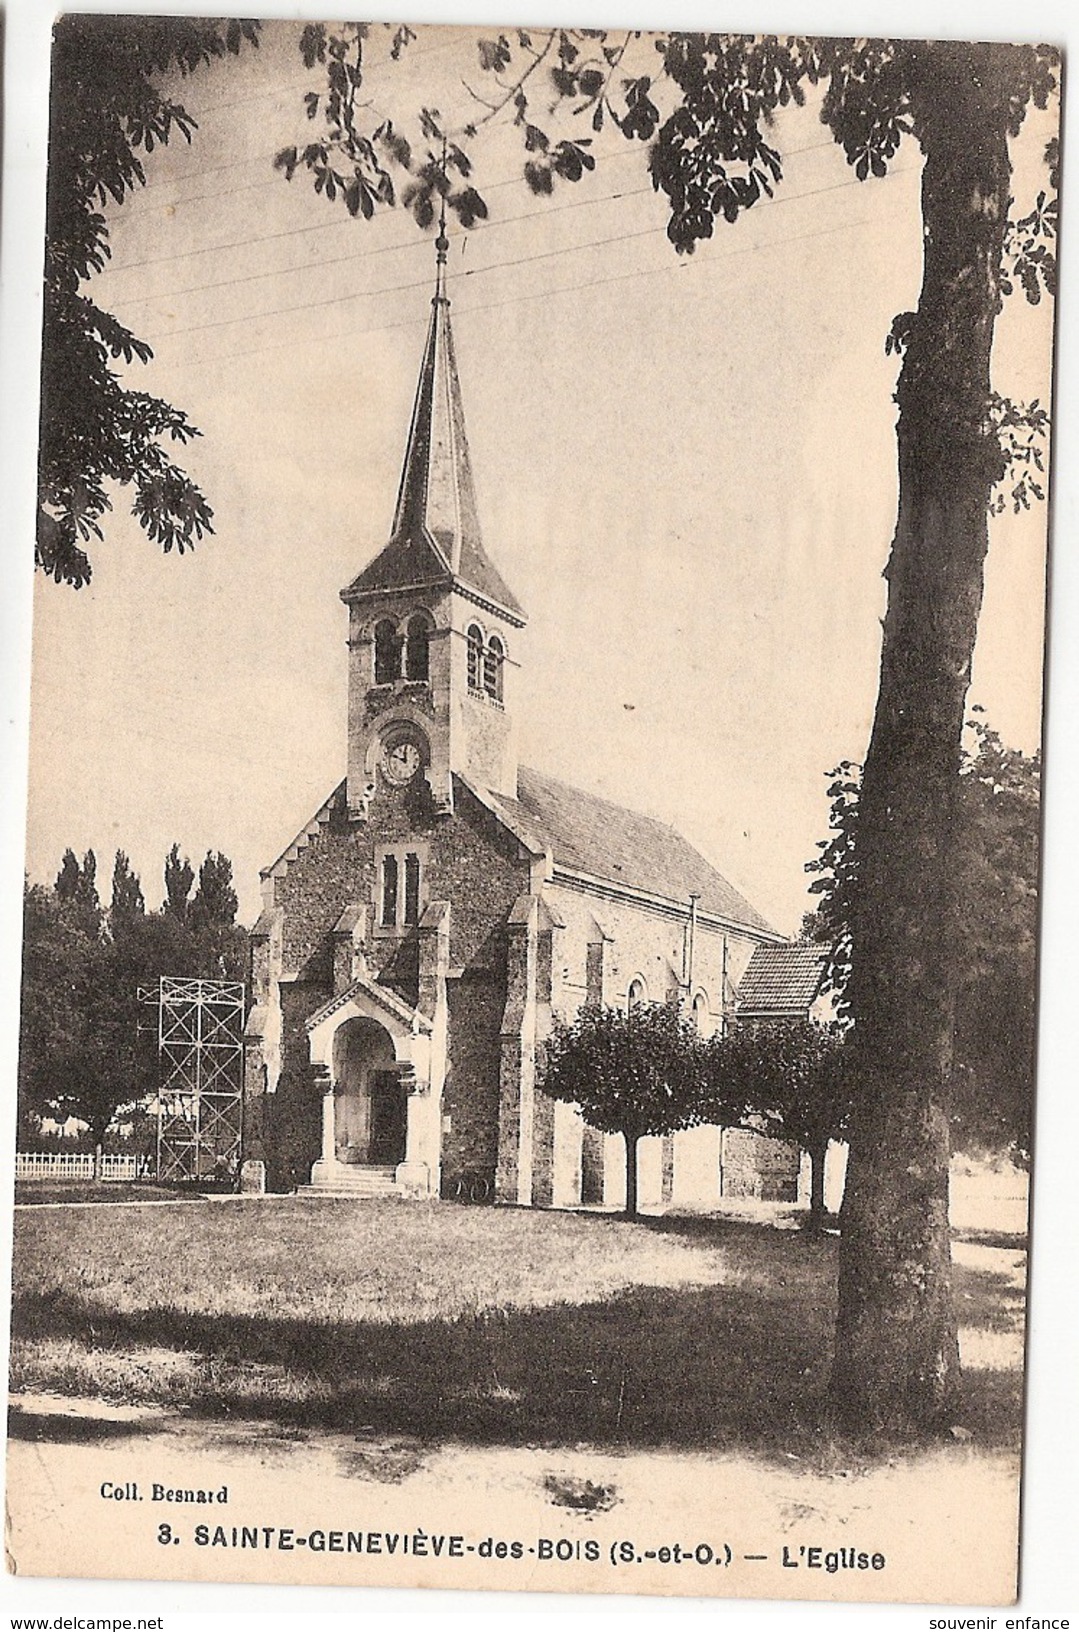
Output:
x,y
107,109
127,899
82,1052
990,1097
786,1079
632,1073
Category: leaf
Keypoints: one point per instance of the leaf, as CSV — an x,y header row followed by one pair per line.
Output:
x,y
539,178
468,206
494,55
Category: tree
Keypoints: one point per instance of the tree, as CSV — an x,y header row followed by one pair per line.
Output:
x,y
990,1095
707,113
56,944
77,1027
179,877
107,108
220,946
78,887
215,901
631,1073
992,1090
127,899
785,1079
85,1051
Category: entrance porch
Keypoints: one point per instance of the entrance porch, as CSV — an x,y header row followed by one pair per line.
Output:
x,y
371,1059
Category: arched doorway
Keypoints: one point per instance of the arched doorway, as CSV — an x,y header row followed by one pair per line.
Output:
x,y
370,1103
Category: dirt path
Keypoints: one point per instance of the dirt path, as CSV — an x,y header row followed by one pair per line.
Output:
x,y
945,1522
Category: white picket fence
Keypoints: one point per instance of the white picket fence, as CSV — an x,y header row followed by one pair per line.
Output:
x,y
73,1165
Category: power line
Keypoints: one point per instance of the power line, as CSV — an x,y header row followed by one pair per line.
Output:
x,y
515,179
138,199
540,294
344,221
412,53
471,272
414,242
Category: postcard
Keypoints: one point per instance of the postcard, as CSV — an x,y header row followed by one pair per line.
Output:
x,y
527,1047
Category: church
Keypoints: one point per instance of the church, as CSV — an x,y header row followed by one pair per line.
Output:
x,y
445,904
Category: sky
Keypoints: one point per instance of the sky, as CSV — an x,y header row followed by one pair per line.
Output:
x,y
323,418
685,469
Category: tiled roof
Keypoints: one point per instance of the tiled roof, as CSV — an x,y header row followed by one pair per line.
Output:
x,y
782,979
591,835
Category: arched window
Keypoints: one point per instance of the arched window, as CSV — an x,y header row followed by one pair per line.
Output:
x,y
387,653
636,994
474,637
417,655
700,1013
388,914
493,659
412,888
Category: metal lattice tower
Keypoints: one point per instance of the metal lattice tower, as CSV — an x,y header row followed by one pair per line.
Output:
x,y
200,1102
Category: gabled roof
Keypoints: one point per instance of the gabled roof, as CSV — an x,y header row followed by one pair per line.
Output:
x,y
590,835
782,980
435,536
379,996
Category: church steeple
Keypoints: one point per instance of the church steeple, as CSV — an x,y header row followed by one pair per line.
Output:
x,y
432,623
436,530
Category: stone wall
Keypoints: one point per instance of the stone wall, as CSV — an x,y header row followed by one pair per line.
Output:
x,y
470,1097
470,861
756,1168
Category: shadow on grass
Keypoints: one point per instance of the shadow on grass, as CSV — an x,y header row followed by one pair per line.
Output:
x,y
1009,1240
740,1366
61,1429
52,1193
988,1299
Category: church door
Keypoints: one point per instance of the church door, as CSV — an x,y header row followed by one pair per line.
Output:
x,y
389,1116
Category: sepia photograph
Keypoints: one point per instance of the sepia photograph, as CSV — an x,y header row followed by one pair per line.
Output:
x,y
525,1025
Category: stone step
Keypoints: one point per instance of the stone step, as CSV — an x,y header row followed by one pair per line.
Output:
x,y
353,1181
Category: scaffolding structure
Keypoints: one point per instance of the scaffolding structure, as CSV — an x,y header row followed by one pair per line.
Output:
x,y
200,1027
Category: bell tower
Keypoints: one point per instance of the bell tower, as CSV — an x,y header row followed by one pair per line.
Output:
x,y
432,624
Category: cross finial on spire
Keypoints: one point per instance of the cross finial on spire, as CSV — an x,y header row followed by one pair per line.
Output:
x,y
442,243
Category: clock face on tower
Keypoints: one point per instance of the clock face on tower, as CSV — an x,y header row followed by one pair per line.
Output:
x,y
404,752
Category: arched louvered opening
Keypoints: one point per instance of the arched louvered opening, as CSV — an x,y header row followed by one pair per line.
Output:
x,y
493,659
474,638
387,652
417,647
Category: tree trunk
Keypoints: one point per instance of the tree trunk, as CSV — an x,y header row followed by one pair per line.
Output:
x,y
632,1140
99,1150
896,1357
818,1152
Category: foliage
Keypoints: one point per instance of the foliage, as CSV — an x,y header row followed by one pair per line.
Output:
x,y
127,899
996,890
109,107
707,113
77,886
86,1049
785,1079
633,1073
179,877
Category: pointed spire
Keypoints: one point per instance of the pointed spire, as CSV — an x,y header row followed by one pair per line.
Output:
x,y
436,529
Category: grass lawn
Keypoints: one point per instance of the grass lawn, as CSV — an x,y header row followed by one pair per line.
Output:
x,y
476,1324
50,1192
